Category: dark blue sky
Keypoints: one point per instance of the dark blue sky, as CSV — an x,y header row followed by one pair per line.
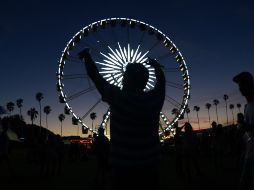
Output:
x,y
215,37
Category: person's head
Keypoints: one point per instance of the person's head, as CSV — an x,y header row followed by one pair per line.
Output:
x,y
240,118
219,128
188,128
135,77
214,124
101,131
245,83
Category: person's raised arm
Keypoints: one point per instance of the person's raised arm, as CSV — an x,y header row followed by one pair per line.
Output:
x,y
92,70
160,77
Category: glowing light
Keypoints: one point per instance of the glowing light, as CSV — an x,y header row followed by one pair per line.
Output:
x,y
115,62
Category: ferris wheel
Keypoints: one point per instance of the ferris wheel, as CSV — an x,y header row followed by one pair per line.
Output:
x,y
114,43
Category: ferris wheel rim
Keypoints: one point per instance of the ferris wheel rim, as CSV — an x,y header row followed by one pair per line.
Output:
x,y
166,41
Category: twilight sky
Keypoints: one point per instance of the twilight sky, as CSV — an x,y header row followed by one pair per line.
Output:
x,y
215,37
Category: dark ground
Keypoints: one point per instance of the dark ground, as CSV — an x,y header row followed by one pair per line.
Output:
x,y
80,174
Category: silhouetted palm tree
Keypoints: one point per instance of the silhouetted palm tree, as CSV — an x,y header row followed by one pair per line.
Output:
x,y
196,108
225,98
39,97
33,114
10,106
216,102
187,110
231,106
93,117
47,110
239,107
61,117
19,103
208,106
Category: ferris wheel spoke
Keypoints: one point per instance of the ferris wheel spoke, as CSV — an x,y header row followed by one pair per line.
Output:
x,y
128,34
78,94
161,126
160,58
91,109
75,76
113,34
173,101
74,59
171,70
111,60
142,38
154,45
174,85
99,38
85,44
116,55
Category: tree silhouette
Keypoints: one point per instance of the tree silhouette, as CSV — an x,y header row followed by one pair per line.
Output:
x,y
216,102
10,106
225,98
208,106
33,114
231,106
239,107
39,97
19,103
93,117
47,110
196,108
61,117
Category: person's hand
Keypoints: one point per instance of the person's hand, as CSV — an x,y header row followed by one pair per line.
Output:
x,y
84,55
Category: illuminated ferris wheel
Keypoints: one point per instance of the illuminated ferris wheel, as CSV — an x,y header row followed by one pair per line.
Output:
x,y
114,43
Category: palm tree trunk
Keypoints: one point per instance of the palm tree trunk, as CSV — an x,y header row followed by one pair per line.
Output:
x,y
47,121
216,113
20,114
22,127
233,116
187,117
227,111
198,121
40,113
209,117
61,128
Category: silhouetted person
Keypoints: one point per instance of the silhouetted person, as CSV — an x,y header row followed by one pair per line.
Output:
x,y
190,152
240,144
134,123
179,149
246,87
219,144
101,148
4,148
